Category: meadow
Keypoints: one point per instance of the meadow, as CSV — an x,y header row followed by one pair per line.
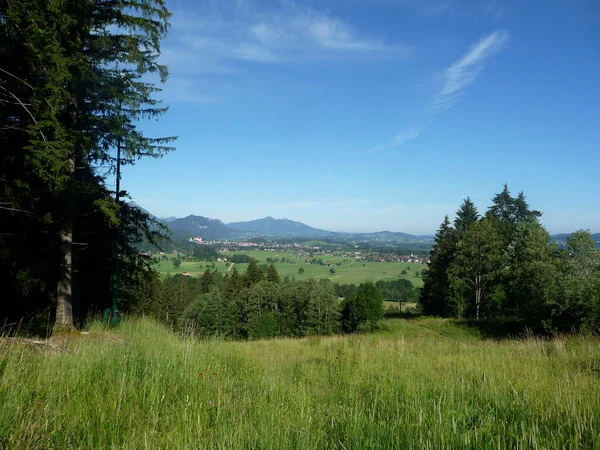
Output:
x,y
349,272
420,383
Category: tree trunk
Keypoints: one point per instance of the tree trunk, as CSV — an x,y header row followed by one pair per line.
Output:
x,y
64,291
477,297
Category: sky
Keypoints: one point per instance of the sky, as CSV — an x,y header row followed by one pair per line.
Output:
x,y
370,115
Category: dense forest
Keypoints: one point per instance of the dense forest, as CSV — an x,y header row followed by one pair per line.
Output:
x,y
74,86
259,304
502,264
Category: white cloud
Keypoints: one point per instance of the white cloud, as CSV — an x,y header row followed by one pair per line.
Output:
x,y
223,41
333,34
235,33
411,132
254,52
456,79
464,71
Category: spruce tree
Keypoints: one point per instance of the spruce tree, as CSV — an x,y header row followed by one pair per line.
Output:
x,y
435,294
34,166
234,282
272,275
71,93
206,281
254,273
466,216
111,47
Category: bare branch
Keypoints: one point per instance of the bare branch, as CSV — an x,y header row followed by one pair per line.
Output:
x,y
18,210
16,78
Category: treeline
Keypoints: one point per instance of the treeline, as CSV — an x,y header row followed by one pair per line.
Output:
x,y
401,291
502,264
258,304
74,87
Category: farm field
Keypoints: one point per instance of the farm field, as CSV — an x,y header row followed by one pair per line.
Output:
x,y
421,383
350,272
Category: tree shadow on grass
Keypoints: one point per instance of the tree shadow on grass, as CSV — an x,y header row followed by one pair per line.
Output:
x,y
497,328
401,315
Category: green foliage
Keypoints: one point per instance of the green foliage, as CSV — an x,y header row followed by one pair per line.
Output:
x,y
476,264
272,275
176,263
503,265
363,310
166,299
300,270
71,91
266,309
466,216
401,291
436,292
205,253
254,273
344,290
239,259
215,314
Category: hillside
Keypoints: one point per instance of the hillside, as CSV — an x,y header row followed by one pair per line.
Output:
x,y
144,210
192,226
269,225
389,236
426,383
199,226
561,239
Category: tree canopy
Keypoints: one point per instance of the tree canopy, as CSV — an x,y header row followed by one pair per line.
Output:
x,y
504,265
73,89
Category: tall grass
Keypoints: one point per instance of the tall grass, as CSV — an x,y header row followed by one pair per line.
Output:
x,y
419,384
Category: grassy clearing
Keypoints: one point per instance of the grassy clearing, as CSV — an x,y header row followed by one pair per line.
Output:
x,y
350,272
420,384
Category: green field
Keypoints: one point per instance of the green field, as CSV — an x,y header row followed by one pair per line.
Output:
x,y
350,272
423,383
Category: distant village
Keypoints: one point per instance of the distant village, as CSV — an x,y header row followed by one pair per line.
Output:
x,y
306,251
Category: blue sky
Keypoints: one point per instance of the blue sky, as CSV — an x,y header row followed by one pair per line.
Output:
x,y
367,115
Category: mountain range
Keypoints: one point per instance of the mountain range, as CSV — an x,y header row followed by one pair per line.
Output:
x,y
210,229
198,226
268,225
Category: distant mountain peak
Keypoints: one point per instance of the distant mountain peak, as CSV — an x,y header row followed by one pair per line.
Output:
x,y
199,226
135,205
282,227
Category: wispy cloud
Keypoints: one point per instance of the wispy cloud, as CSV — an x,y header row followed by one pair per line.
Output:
x,y
456,79
333,34
464,71
411,132
237,33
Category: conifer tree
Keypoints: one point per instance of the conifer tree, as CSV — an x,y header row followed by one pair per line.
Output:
x,y
466,216
234,282
435,294
112,46
74,95
206,281
272,275
254,273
